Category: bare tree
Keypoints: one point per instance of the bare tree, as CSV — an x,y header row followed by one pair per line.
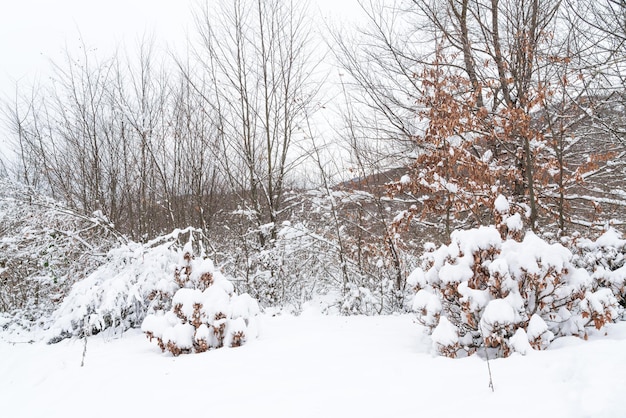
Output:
x,y
379,63
256,59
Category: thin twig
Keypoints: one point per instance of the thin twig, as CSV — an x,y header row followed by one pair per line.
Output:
x,y
489,369
487,357
82,362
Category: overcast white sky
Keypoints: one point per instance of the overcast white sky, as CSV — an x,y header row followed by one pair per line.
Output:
x,y
35,32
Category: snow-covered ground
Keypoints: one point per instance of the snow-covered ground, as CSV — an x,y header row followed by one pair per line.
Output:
x,y
312,366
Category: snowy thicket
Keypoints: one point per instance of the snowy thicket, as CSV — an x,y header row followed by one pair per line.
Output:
x,y
118,294
369,261
148,279
336,245
288,271
44,249
205,312
487,288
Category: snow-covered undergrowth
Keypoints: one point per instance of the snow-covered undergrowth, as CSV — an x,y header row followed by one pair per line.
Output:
x,y
116,295
496,288
44,249
142,279
313,366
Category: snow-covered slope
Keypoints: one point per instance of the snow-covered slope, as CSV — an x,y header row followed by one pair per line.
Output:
x,y
312,366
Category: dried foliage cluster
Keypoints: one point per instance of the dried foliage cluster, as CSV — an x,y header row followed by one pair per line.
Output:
x,y
470,153
519,98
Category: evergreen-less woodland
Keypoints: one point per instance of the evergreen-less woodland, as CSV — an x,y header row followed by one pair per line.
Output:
x,y
354,164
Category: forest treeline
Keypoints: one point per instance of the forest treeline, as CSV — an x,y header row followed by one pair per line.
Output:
x,y
439,107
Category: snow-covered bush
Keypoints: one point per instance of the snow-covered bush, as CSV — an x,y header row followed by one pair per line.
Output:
x,y
605,259
134,280
138,280
507,295
359,300
205,312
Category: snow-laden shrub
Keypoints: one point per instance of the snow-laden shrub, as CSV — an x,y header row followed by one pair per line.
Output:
x,y
134,280
205,312
605,259
504,294
359,300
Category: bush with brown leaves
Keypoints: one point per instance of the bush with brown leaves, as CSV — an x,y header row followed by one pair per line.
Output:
x,y
205,311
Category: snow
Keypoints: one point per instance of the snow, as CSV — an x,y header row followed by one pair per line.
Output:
x,y
611,238
313,366
477,299
243,306
476,239
452,188
497,312
187,298
499,266
519,342
455,273
429,304
181,335
445,333
514,222
158,324
536,327
416,278
601,302
501,204
215,301
534,254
